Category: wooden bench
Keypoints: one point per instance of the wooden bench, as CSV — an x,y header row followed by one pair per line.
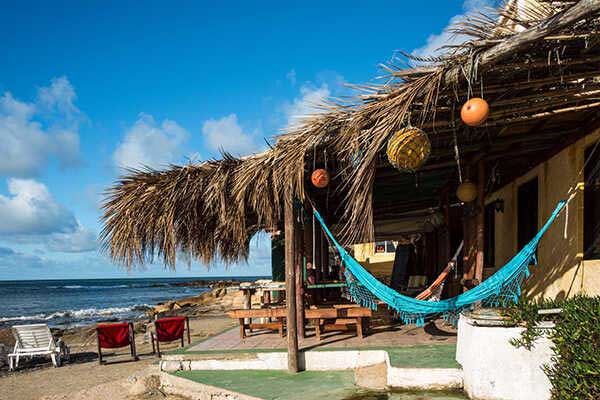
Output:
x,y
268,313
346,318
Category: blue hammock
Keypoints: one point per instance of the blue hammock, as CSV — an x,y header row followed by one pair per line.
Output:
x,y
500,289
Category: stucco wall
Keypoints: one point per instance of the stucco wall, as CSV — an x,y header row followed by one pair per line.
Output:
x,y
378,264
561,271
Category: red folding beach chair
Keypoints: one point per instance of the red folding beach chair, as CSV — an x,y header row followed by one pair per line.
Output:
x,y
112,336
169,330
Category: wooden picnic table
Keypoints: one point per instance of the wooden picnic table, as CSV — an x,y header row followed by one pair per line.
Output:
x,y
344,317
245,319
249,290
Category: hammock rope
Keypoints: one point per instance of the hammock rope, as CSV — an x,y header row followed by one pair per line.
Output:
x,y
500,289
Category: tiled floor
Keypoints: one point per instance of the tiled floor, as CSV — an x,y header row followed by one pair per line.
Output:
x,y
435,332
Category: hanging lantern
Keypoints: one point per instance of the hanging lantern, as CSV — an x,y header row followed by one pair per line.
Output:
x,y
475,111
408,149
320,178
466,191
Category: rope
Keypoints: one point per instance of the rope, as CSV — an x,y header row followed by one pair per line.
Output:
x,y
456,151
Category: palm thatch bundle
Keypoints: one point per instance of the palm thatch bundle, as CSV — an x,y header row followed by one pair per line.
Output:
x,y
532,61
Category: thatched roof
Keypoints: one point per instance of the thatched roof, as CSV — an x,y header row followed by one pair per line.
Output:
x,y
535,64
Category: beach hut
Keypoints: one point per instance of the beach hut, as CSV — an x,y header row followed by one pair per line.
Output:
x,y
475,145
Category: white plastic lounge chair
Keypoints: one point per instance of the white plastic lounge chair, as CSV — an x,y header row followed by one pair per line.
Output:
x,y
36,340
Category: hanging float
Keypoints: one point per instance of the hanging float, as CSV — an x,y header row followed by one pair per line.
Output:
x,y
466,191
475,111
408,149
320,178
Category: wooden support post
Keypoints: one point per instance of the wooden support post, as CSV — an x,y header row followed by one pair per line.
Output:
x,y
470,242
317,260
247,301
446,252
324,257
290,286
299,281
480,221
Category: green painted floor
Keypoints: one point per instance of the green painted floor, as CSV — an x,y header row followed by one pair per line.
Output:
x,y
314,385
427,356
271,385
423,356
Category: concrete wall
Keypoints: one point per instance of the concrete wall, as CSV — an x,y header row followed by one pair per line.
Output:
x,y
495,369
310,361
561,272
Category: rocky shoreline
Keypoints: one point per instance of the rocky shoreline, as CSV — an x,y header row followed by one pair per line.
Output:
x,y
218,300
222,297
209,283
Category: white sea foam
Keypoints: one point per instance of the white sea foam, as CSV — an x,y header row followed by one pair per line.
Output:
x,y
95,287
74,315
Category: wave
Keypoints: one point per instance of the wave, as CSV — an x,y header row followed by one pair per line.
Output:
x,y
82,314
67,287
104,286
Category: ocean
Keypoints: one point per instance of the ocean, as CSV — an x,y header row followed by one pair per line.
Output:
x,y
69,303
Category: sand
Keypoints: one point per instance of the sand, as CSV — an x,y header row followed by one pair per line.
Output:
x,y
83,378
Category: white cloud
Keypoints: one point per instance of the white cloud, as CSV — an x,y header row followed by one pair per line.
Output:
x,y
147,143
291,76
31,210
59,97
227,134
444,38
307,103
78,241
35,133
30,215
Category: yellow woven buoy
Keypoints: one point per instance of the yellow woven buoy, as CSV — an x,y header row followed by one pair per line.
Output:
x,y
408,149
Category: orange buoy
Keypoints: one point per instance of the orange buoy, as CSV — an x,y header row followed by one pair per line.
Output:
x,y
466,191
320,178
475,111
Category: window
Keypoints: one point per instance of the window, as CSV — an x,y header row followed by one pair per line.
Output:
x,y
527,212
591,205
386,246
489,235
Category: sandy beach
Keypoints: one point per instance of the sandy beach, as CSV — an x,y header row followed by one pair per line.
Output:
x,y
83,378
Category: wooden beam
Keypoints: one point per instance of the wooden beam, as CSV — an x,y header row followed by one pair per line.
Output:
x,y
538,157
299,281
564,63
522,40
290,286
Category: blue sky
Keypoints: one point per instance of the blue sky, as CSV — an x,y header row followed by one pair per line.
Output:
x,y
89,87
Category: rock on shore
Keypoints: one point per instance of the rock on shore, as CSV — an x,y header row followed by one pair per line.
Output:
x,y
223,297
217,301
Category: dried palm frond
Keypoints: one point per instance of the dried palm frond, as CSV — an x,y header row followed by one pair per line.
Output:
x,y
211,210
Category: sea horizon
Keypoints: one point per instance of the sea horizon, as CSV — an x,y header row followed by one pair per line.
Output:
x,y
205,278
67,303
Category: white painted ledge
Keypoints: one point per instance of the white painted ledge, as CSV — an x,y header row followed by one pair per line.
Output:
x,y
198,391
425,378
